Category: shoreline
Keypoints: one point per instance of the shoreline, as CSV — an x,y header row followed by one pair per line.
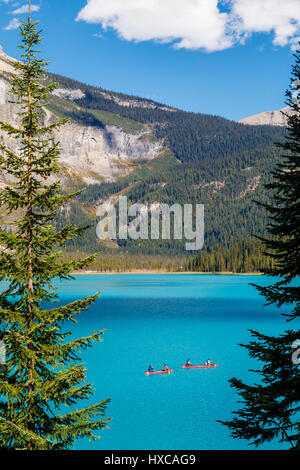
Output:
x,y
150,271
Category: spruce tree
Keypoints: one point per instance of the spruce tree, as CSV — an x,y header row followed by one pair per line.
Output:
x,y
271,406
43,380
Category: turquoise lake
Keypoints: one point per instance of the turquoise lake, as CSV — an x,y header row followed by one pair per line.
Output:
x,y
156,319
169,318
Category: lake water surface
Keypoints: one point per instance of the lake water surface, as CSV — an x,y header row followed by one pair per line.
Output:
x,y
161,318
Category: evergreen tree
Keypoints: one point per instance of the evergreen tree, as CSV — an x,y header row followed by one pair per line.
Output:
x,y
271,407
44,378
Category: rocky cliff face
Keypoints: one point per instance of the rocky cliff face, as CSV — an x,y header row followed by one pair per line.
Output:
x,y
89,154
96,154
6,62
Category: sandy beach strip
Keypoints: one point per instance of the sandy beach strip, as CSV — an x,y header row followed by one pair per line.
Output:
x,y
152,271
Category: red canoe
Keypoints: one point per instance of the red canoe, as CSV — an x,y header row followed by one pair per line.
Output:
x,y
200,366
158,372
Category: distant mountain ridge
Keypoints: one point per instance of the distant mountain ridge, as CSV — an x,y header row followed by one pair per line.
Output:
x,y
270,118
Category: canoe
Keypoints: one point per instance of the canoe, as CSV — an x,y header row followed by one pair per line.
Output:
x,y
200,366
158,372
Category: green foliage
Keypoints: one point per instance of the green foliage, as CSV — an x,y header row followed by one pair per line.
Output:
x,y
120,261
90,117
44,376
271,407
245,256
109,119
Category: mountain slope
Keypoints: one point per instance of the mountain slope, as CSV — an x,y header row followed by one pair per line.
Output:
x,y
95,147
190,136
154,153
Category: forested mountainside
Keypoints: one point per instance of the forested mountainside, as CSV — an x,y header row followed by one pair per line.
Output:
x,y
246,256
190,136
207,159
227,189
120,144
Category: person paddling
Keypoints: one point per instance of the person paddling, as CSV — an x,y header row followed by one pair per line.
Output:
x,y
188,363
165,367
208,362
150,369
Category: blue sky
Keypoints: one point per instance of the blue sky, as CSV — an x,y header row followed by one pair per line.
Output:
x,y
231,58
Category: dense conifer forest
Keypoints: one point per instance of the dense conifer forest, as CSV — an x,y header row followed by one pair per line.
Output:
x,y
245,256
207,160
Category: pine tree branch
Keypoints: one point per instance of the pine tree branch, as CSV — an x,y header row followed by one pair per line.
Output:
x,y
21,436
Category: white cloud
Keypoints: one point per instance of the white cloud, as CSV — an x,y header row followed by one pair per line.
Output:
x,y
13,24
282,17
192,24
24,9
197,24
